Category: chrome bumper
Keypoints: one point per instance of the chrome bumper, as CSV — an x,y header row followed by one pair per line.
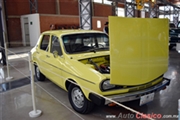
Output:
x,y
136,95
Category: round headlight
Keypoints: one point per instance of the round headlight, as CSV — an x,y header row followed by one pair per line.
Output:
x,y
105,85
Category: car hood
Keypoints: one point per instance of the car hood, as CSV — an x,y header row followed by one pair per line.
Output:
x,y
139,51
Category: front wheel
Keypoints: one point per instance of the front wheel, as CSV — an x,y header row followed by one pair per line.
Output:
x,y
38,74
78,101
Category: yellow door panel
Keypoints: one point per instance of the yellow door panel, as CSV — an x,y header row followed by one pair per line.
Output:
x,y
41,60
55,68
138,49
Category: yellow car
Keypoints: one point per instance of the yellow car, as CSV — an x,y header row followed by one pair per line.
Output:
x,y
83,57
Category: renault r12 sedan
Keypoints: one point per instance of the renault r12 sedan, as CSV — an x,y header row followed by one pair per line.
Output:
x,y
82,56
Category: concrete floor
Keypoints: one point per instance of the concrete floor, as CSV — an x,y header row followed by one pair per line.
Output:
x,y
15,96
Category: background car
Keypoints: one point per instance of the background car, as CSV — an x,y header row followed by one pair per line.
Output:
x,y
174,38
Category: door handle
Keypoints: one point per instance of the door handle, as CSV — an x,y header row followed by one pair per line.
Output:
x,y
48,56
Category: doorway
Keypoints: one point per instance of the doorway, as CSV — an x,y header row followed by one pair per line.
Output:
x,y
26,31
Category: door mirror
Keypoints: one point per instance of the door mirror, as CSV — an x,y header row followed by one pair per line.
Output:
x,y
55,53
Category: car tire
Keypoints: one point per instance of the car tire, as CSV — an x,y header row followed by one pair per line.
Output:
x,y
78,101
171,47
38,74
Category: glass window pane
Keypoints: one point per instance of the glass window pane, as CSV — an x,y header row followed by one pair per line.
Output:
x,y
55,45
98,1
80,43
107,2
45,42
121,12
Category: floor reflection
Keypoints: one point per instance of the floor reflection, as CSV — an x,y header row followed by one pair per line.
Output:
x,y
14,84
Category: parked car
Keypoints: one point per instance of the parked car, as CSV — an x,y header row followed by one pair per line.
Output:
x,y
78,61
174,37
172,26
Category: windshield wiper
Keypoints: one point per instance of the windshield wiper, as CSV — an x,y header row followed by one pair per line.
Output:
x,y
92,50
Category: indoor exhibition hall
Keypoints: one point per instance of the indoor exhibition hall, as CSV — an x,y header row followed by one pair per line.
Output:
x,y
89,59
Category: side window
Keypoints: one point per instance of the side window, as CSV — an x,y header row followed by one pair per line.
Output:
x,y
55,45
45,43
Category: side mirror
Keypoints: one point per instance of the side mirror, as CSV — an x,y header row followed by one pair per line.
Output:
x,y
55,53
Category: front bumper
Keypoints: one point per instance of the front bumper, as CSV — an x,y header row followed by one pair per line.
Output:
x,y
130,96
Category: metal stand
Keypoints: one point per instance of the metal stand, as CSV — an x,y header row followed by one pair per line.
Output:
x,y
2,39
179,109
34,113
7,61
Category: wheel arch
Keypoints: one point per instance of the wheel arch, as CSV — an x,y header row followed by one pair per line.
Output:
x,y
35,63
68,82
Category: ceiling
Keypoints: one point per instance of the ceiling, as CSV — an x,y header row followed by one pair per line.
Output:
x,y
174,1
171,2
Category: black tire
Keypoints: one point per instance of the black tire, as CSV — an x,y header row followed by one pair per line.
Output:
x,y
171,47
83,105
38,74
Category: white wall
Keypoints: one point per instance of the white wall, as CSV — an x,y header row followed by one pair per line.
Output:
x,y
34,28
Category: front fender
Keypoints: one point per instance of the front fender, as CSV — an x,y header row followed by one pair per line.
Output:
x,y
84,76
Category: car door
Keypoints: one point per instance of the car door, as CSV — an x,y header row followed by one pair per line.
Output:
x,y
42,54
55,60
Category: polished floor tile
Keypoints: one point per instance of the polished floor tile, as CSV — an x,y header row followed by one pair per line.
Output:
x,y
16,105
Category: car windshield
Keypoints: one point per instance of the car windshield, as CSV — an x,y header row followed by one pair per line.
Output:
x,y
85,42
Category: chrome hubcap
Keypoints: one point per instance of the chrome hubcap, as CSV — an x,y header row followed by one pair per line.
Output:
x,y
77,97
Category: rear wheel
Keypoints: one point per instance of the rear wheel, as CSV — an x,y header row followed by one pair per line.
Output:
x,y
38,74
78,101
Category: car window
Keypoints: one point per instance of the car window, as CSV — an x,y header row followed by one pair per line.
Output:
x,y
45,43
85,42
55,45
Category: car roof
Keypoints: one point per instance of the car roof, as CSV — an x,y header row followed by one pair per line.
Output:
x,y
73,31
